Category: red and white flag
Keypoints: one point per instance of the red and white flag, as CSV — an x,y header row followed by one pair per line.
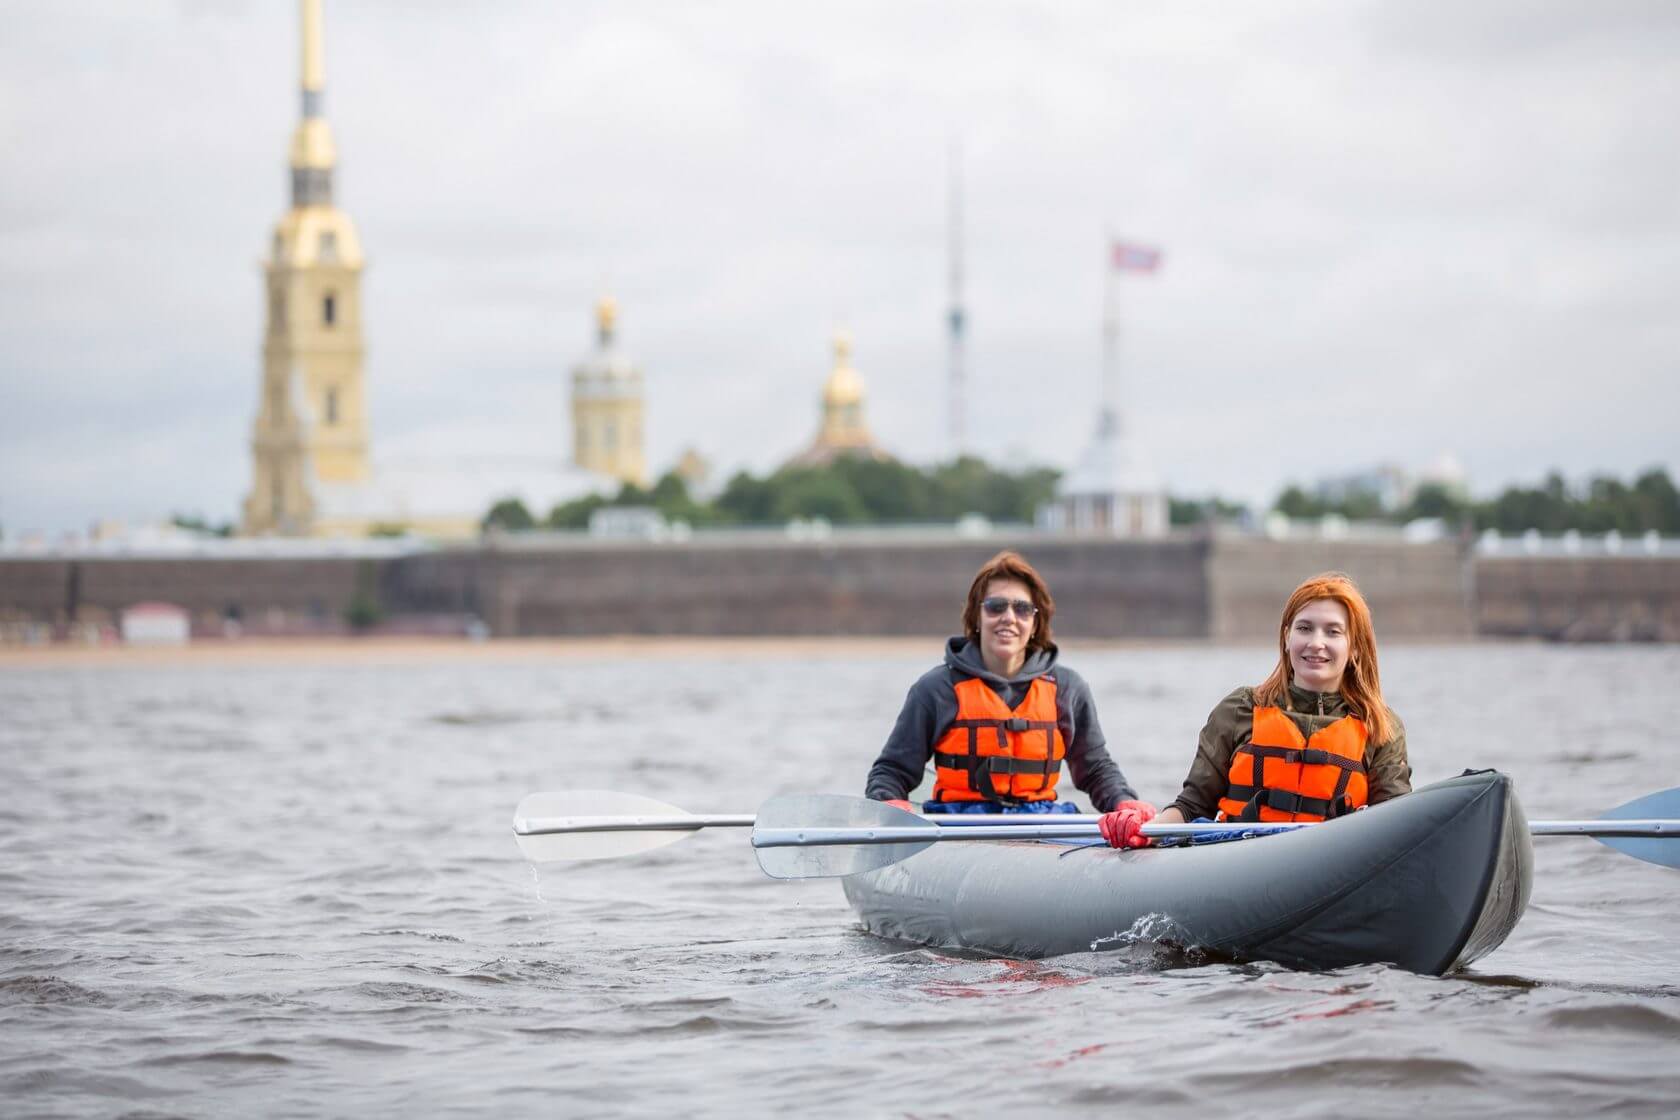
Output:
x,y
1128,257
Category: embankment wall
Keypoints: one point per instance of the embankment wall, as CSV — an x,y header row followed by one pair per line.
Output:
x,y
1187,587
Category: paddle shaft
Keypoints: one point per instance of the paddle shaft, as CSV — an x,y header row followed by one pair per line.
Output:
x,y
983,828
555,826
1075,830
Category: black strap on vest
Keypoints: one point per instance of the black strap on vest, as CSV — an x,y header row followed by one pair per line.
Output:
x,y
1259,796
980,769
1285,802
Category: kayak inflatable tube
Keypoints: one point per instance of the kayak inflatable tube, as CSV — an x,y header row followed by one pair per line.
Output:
x,y
1429,882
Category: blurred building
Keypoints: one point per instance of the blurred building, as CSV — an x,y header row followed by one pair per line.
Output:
x,y
311,426
1389,487
313,474
607,406
1112,491
842,430
695,470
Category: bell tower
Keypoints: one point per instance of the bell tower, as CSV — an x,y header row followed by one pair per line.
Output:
x,y
607,405
311,424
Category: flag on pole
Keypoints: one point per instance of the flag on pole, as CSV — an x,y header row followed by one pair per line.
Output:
x,y
1127,257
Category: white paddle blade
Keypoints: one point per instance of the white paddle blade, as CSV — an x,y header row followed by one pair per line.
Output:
x,y
828,811
596,824
1663,852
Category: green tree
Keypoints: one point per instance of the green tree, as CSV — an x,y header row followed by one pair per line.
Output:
x,y
1432,499
1188,511
1657,501
888,489
747,500
509,515
574,514
816,493
197,524
1295,502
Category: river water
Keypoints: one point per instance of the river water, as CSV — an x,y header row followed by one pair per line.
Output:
x,y
292,890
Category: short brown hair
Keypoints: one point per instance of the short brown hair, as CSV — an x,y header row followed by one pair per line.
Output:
x,y
1010,565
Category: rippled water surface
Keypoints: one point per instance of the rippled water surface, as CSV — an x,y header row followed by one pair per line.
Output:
x,y
293,890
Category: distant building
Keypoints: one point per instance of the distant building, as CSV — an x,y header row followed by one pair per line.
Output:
x,y
695,470
1449,474
311,425
1391,487
1387,484
607,406
156,624
312,472
1112,491
842,431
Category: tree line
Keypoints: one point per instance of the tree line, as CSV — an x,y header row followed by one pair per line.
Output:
x,y
853,491
1604,503
848,491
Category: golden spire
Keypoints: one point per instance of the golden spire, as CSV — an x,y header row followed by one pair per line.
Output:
x,y
313,154
606,317
314,57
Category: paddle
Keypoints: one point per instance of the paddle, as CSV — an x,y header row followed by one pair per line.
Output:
x,y
815,835
601,824
835,844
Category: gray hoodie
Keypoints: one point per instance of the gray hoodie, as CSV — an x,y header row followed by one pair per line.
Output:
x,y
932,704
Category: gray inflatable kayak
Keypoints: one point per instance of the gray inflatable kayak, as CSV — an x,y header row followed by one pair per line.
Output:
x,y
1429,882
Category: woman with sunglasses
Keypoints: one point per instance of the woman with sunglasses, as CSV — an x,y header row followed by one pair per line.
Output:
x,y
1314,740
1000,716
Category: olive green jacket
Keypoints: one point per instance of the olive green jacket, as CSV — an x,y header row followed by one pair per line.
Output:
x,y
1231,724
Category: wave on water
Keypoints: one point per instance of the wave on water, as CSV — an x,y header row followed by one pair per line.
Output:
x,y
52,990
219,1057
363,937
1632,1018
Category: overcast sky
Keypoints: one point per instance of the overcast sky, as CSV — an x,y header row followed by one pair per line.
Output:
x,y
1391,230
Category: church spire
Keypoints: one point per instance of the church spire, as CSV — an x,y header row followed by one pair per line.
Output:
x,y
313,154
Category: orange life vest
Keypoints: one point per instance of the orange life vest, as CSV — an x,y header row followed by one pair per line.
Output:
x,y
993,753
1298,779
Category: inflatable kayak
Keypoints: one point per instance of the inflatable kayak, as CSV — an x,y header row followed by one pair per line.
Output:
x,y
1429,882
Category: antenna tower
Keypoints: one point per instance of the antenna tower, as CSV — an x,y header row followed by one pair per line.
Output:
x,y
957,317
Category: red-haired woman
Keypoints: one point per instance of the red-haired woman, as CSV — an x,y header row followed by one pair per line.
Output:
x,y
1000,716
1314,740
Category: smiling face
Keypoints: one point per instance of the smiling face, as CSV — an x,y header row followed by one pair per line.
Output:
x,y
1317,644
1004,637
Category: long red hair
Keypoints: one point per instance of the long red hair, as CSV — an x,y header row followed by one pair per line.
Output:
x,y
1361,683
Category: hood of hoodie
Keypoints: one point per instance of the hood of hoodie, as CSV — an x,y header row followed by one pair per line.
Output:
x,y
963,655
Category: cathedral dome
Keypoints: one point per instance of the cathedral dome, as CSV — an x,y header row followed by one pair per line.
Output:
x,y
844,386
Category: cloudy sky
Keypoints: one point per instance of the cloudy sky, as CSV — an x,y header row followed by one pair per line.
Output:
x,y
1391,230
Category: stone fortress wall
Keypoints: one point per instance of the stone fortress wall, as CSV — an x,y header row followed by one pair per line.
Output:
x,y
1181,588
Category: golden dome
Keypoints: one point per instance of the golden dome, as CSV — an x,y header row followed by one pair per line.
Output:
x,y
844,386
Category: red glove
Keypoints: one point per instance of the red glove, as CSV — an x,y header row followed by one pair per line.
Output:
x,y
900,803
1120,827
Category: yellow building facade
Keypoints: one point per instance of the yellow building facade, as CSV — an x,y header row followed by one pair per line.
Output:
x,y
607,406
311,425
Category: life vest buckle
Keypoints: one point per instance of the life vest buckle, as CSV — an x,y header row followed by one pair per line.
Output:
x,y
1015,723
1314,756
1281,800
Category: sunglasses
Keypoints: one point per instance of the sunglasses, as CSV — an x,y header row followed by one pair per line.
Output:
x,y
996,605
